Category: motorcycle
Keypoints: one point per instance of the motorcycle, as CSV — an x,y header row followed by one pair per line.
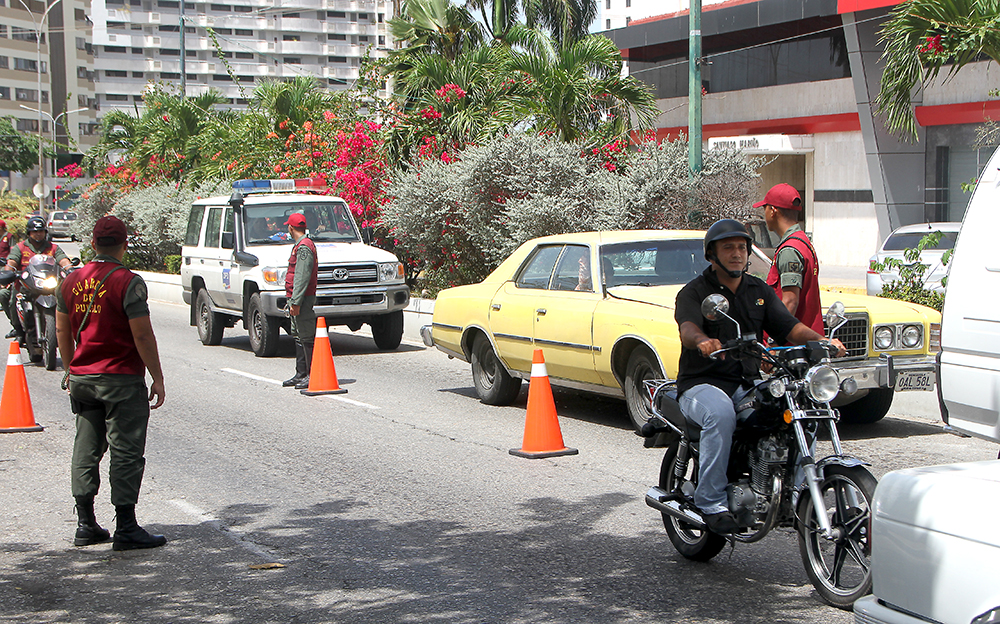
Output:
x,y
774,479
35,303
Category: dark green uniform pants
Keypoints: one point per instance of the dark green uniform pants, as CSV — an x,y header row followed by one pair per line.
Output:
x,y
304,331
115,416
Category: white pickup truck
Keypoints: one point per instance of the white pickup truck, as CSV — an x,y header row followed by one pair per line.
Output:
x,y
235,256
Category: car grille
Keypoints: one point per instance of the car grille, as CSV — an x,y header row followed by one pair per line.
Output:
x,y
348,274
854,335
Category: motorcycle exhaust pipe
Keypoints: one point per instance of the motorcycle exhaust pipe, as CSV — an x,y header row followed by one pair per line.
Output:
x,y
662,501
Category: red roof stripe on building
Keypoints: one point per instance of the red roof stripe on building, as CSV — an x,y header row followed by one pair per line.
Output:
x,y
851,6
950,114
842,122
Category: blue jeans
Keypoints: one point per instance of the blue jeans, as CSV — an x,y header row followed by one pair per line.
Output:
x,y
715,412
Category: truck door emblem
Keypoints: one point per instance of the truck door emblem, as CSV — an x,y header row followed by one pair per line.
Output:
x,y
225,279
341,274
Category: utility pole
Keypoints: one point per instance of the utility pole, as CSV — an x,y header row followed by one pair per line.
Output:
x,y
183,54
694,88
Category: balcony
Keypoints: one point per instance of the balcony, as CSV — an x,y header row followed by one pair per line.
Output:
x,y
312,48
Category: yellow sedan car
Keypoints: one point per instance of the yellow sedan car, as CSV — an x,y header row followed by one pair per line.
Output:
x,y
600,305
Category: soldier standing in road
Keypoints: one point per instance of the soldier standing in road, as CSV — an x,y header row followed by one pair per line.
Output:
x,y
300,289
794,274
104,332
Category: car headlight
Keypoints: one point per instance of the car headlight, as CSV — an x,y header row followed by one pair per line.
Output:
x,y
883,338
912,336
388,271
822,383
273,275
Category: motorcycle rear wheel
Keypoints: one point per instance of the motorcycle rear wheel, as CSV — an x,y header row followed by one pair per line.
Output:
x,y
47,338
839,569
690,541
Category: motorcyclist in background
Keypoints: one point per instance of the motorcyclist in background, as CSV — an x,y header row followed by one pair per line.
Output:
x,y
38,242
712,391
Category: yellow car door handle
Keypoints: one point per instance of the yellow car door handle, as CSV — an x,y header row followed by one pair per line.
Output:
x,y
495,307
540,311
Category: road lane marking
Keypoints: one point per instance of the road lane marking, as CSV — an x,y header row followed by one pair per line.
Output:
x,y
232,533
342,399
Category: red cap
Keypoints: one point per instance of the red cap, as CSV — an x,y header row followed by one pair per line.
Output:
x,y
781,196
109,231
297,221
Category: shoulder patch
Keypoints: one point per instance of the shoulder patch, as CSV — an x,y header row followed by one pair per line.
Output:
x,y
760,301
140,290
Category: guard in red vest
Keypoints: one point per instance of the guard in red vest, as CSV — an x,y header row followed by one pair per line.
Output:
x,y
107,344
300,289
794,274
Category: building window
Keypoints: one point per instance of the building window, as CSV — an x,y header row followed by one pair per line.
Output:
x,y
81,43
336,14
628,3
220,7
170,76
117,25
115,49
363,39
337,37
247,56
4,62
607,4
607,24
222,78
80,15
88,129
115,73
296,15
3,30
362,16
115,97
337,59
249,79
136,74
169,52
27,125
293,60
136,98
191,52
81,72
24,34
192,77
338,81
189,29
290,38
136,50
223,31
169,28
244,32
26,95
168,4
381,17
242,9
381,40
4,93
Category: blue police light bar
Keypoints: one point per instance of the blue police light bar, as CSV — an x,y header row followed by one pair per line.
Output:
x,y
277,186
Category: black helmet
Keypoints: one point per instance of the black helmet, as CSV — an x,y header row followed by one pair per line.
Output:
x,y
36,224
725,228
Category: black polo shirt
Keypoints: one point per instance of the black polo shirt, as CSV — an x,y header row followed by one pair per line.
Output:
x,y
757,309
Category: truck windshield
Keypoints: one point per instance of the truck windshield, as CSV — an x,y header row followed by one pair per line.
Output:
x,y
329,222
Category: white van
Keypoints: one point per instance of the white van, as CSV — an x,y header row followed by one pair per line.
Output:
x,y
934,545
235,257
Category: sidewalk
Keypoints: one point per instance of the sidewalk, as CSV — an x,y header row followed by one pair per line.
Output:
x,y
843,279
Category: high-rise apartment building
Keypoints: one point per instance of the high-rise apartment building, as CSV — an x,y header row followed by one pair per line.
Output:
x,y
140,41
47,43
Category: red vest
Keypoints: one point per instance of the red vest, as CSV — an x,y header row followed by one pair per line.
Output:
x,y
290,275
5,246
106,345
810,309
27,252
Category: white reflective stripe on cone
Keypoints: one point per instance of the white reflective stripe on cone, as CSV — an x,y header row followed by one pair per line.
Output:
x,y
13,359
321,331
538,370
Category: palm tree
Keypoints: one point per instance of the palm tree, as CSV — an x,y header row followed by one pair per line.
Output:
x,y
566,20
578,90
295,101
923,36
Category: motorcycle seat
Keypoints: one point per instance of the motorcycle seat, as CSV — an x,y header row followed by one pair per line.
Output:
x,y
665,404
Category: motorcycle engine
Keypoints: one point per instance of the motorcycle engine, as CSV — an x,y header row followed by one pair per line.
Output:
x,y
770,451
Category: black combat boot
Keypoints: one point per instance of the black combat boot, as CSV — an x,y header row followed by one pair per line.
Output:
x,y
129,535
303,383
87,530
301,367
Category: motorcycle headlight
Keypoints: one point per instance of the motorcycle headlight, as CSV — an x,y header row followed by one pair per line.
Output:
x,y
273,275
49,283
388,271
883,338
822,383
912,336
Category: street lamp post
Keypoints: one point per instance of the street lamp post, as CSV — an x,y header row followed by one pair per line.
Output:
x,y
55,122
38,60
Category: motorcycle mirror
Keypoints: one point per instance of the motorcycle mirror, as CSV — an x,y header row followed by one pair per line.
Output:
x,y
835,314
7,277
75,262
714,306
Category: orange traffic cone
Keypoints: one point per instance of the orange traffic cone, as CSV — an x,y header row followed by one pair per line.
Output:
x,y
16,414
542,437
322,372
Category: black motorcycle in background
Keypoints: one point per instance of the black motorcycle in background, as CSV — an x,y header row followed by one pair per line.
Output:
x,y
774,478
35,304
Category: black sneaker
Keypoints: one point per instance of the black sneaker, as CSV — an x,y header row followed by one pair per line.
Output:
x,y
294,381
13,334
303,384
721,523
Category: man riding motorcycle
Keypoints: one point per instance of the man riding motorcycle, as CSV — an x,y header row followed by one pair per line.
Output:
x,y
712,391
38,242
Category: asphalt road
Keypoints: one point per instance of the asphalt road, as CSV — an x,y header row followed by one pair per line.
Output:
x,y
397,502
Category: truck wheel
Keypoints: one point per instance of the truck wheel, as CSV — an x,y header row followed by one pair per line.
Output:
x,y
387,329
869,408
210,324
264,330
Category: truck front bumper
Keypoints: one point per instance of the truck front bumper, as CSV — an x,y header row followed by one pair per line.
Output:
x,y
345,302
884,371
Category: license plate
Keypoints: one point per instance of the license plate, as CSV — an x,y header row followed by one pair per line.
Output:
x,y
914,380
347,300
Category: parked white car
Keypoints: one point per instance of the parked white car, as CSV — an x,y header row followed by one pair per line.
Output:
x,y
908,237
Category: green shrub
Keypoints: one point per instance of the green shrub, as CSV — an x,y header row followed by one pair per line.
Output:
x,y
910,285
173,264
14,210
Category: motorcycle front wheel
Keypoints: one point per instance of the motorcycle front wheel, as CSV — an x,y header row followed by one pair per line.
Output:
x,y
840,569
46,328
690,541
